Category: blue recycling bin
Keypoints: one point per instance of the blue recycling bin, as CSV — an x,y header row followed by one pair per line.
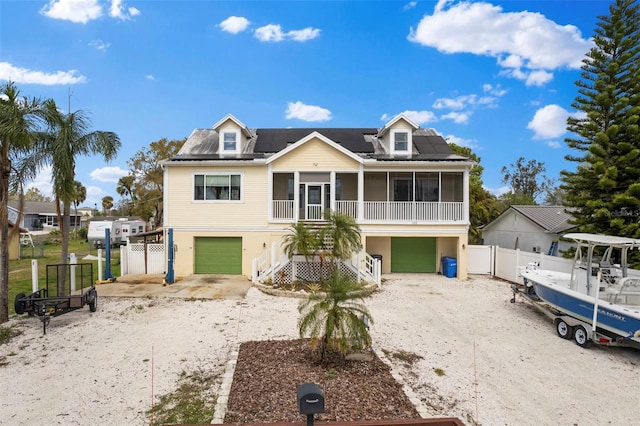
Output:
x,y
449,266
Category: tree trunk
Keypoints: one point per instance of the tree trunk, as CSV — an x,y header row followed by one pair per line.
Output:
x,y
64,250
4,243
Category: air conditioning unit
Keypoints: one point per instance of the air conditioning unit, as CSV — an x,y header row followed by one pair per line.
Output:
x,y
536,249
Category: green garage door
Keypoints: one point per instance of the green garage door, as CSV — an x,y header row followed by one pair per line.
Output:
x,y
413,254
218,255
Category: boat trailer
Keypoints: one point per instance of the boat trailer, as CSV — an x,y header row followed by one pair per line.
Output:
x,y
46,305
568,327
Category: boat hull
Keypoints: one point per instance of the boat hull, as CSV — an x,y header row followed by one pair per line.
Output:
x,y
619,320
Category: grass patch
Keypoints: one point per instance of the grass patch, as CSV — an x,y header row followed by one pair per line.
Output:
x,y
408,358
439,372
192,402
8,332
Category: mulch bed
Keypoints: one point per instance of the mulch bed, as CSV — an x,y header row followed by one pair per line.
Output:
x,y
268,374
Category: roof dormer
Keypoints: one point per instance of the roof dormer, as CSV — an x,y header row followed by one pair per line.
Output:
x,y
232,135
397,134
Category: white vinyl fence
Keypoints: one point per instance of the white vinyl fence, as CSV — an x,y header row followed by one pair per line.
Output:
x,y
135,260
505,263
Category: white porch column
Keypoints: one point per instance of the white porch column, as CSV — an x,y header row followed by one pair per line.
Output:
x,y
465,194
360,214
332,185
269,192
296,196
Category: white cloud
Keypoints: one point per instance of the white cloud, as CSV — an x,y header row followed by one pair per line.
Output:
x,y
522,42
22,75
99,44
274,33
94,191
149,77
554,144
234,24
303,35
108,174
79,11
83,11
307,112
410,5
457,117
119,11
420,117
549,122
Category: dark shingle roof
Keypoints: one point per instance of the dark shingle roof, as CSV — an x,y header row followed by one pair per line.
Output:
x,y
275,140
202,144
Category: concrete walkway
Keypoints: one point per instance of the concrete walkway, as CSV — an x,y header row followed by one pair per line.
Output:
x,y
190,287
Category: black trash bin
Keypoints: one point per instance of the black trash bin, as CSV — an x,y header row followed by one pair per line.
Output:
x,y
378,257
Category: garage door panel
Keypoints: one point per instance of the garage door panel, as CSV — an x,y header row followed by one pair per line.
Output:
x,y
218,255
413,254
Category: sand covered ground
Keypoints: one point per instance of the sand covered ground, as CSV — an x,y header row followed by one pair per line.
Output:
x,y
483,359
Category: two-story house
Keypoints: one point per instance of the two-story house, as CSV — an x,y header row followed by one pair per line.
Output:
x,y
232,192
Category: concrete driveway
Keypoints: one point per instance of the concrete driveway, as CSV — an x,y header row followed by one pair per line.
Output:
x,y
190,287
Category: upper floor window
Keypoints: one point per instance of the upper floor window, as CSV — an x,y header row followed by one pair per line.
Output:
x,y
224,187
400,141
229,142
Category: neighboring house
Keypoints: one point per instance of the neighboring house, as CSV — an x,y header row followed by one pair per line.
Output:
x,y
231,192
529,228
38,216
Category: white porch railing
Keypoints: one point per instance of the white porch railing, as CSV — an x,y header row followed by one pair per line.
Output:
x,y
283,209
273,263
383,211
348,207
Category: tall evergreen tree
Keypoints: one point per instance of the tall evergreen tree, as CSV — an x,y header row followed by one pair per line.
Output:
x,y
604,189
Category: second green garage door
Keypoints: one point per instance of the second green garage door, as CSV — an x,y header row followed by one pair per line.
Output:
x,y
218,255
413,254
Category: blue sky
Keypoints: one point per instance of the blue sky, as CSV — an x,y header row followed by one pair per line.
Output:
x,y
497,76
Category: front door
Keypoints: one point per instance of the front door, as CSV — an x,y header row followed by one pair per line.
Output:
x,y
314,202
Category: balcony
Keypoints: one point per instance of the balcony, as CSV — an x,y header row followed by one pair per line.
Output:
x,y
379,211
370,197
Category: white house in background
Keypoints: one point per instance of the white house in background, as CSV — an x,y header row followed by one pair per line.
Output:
x,y
529,228
232,192
38,216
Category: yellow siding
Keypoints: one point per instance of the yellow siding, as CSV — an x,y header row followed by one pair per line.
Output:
x,y
184,211
315,155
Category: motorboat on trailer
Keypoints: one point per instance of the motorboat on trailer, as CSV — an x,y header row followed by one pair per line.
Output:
x,y
599,300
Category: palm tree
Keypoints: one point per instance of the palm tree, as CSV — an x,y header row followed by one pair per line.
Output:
x,y
69,136
342,233
80,195
107,204
336,320
19,118
125,188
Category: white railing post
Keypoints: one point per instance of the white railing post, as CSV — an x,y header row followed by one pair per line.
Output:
x,y
254,270
34,275
72,281
99,264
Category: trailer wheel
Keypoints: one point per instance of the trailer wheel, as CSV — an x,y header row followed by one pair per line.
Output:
x,y
564,330
92,298
581,337
19,305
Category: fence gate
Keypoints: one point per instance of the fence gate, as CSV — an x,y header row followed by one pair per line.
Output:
x,y
140,262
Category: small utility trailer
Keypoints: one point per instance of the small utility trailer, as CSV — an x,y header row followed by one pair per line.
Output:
x,y
47,304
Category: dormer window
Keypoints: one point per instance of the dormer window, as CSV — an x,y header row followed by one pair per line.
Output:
x,y
229,142
400,141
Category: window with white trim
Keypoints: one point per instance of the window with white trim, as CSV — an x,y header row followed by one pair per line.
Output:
x,y
229,142
218,187
400,141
